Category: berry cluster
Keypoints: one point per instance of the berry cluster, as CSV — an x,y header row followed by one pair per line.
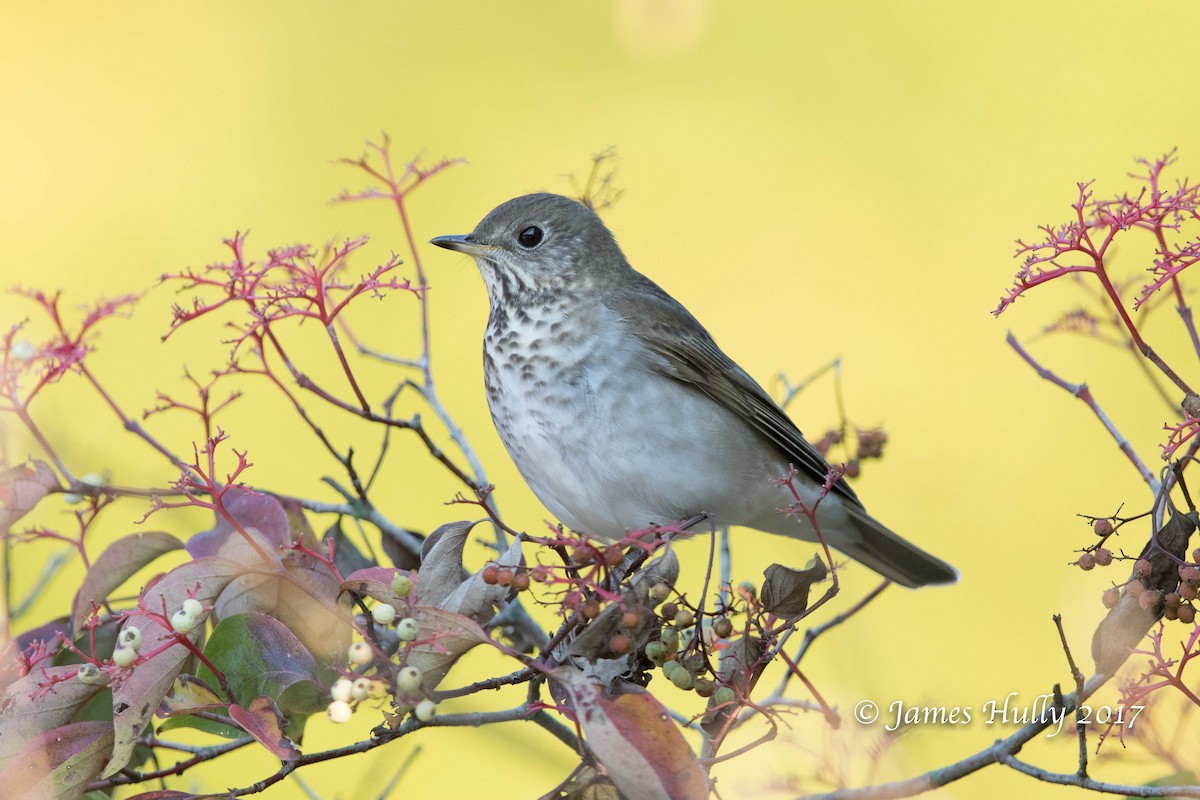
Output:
x,y
369,662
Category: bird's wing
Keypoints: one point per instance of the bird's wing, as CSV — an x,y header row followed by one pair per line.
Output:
x,y
681,349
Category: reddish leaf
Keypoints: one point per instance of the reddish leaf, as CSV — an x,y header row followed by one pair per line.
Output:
x,y
27,711
21,488
262,512
263,721
142,688
59,764
117,564
634,738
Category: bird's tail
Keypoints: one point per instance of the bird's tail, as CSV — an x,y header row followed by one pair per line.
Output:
x,y
891,556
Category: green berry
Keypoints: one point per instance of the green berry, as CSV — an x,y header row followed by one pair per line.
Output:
x,y
408,629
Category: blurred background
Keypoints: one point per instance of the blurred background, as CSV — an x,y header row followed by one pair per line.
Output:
x,y
813,180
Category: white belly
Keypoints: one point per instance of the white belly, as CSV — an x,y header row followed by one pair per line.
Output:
x,y
613,446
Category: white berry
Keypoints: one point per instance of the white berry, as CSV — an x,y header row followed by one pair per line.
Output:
x,y
361,689
23,350
360,653
90,674
124,656
193,607
183,622
341,690
383,613
130,637
425,710
409,680
340,711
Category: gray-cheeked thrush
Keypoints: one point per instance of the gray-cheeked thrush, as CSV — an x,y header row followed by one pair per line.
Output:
x,y
621,412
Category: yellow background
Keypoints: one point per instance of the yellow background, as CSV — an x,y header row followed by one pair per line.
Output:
x,y
811,179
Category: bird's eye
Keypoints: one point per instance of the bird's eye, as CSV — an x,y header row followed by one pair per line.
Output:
x,y
530,237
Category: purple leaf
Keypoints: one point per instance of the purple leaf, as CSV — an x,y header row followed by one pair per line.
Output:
x,y
143,687
59,764
117,564
262,512
37,703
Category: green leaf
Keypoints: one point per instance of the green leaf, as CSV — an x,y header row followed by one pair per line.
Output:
x,y
260,657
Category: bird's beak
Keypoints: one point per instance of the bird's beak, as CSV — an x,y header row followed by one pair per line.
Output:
x,y
462,244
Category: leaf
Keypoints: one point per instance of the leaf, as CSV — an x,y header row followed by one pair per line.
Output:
x,y
664,569
262,512
300,592
260,657
376,583
27,712
398,551
475,597
118,563
741,665
143,687
1127,622
442,561
22,488
592,643
785,591
189,694
59,764
635,740
452,634
263,720
584,783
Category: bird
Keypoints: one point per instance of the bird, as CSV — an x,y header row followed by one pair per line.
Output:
x,y
621,412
